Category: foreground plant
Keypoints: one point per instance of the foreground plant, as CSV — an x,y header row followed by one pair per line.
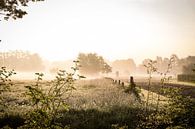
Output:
x,y
164,78
47,103
5,83
14,8
133,89
151,68
177,113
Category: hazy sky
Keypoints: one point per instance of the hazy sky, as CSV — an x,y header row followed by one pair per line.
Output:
x,y
60,29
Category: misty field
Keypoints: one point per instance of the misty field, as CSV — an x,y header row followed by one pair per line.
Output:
x,y
94,104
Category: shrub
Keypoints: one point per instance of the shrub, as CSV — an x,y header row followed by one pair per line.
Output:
x,y
47,103
5,83
178,112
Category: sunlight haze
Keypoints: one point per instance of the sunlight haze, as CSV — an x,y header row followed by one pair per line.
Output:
x,y
138,29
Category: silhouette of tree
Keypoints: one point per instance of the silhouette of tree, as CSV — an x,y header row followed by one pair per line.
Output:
x,y
14,8
92,64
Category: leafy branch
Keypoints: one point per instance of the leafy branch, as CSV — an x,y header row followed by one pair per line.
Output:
x,y
47,103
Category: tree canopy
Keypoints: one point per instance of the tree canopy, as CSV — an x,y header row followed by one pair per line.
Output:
x,y
92,64
14,8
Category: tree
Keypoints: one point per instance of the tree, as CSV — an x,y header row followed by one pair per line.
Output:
x,y
106,68
188,67
125,67
92,64
14,8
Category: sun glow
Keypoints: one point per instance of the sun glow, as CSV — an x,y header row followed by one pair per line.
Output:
x,y
113,29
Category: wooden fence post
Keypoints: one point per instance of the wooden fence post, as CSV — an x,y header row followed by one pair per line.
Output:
x,y
132,83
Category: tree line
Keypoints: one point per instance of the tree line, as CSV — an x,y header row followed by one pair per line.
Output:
x,y
21,61
180,65
93,64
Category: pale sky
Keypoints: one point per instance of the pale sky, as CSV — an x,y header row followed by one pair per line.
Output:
x,y
138,29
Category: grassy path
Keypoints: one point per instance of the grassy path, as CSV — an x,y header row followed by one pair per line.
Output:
x,y
153,97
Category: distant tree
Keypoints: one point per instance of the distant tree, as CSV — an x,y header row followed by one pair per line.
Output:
x,y
21,61
162,64
189,69
14,8
127,66
92,64
188,65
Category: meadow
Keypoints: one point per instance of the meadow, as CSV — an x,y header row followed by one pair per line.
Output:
x,y
95,103
99,104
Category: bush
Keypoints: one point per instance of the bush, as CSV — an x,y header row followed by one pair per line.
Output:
x,y
178,112
47,103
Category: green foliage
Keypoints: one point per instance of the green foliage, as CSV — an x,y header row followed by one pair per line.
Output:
x,y
151,68
5,83
47,103
135,91
164,76
92,64
178,112
181,109
132,89
51,111
116,117
14,8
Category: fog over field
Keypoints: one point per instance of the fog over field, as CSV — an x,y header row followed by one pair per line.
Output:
x,y
115,29
124,32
